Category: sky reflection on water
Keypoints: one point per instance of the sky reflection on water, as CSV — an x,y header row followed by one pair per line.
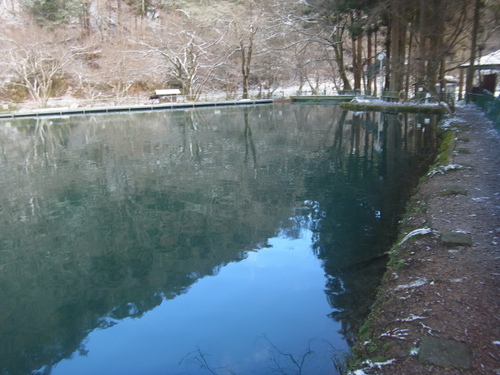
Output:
x,y
239,315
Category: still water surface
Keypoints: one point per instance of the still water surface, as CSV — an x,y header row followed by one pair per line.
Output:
x,y
229,240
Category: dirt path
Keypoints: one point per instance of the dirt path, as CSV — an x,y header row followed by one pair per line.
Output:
x,y
438,309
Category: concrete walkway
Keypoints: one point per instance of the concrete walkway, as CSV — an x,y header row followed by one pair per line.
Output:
x,y
56,112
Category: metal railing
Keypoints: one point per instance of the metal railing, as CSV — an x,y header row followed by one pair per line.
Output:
x,y
488,103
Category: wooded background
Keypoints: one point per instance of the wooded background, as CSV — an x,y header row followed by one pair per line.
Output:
x,y
96,49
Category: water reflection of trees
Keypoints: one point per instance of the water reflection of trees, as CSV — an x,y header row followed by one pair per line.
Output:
x,y
108,219
369,185
105,217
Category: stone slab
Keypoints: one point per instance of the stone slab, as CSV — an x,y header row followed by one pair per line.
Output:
x,y
456,239
454,190
446,353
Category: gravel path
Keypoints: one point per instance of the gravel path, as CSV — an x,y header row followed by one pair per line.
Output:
x,y
438,308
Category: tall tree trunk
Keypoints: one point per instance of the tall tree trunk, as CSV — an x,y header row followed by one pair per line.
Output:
x,y
339,58
436,30
354,62
388,50
460,85
358,69
409,58
357,48
431,37
338,50
375,91
246,59
423,44
469,81
398,42
369,60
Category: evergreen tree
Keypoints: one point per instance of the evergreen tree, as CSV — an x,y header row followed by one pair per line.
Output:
x,y
52,13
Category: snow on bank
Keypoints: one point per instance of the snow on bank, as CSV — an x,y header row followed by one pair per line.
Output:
x,y
382,103
443,169
414,284
368,365
416,232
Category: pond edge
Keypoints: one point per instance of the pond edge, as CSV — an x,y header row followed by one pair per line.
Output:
x,y
366,350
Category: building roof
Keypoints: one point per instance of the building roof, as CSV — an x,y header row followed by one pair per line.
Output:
x,y
168,92
489,61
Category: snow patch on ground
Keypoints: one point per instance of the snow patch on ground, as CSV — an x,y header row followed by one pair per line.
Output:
x,y
416,232
371,365
414,284
480,199
411,318
396,333
443,169
382,103
450,121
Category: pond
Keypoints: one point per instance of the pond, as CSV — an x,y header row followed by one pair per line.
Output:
x,y
233,240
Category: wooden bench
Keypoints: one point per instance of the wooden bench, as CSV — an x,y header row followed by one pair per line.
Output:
x,y
166,95
390,96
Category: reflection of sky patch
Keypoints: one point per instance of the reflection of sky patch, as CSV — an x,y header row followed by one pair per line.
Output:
x,y
275,296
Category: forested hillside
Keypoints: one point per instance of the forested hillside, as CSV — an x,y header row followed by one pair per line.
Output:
x,y
112,49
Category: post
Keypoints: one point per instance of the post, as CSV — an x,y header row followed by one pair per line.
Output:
x,y
381,57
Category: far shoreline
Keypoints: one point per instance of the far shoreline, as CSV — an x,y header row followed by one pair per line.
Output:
x,y
354,105
60,112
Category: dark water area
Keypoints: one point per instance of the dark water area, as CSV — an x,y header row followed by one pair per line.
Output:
x,y
239,240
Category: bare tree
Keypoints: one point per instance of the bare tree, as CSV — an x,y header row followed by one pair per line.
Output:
x,y
321,31
190,56
246,46
35,62
257,32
